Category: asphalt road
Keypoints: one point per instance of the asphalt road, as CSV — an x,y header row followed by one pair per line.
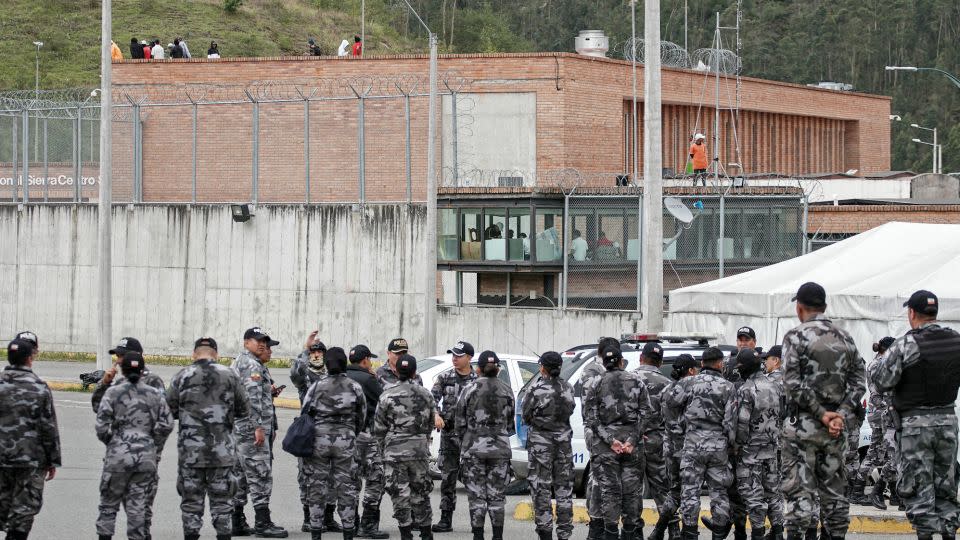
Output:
x,y
70,500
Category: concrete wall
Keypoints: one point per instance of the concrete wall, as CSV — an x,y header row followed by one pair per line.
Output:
x,y
934,187
182,272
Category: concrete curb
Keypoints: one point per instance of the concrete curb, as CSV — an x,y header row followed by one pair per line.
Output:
x,y
64,386
861,521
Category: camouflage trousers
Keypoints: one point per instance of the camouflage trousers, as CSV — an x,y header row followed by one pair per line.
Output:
x,y
928,485
851,457
813,467
673,450
551,470
758,482
195,485
881,455
592,493
302,482
409,485
21,496
449,465
485,480
657,473
710,464
254,474
332,470
620,479
132,490
738,506
369,469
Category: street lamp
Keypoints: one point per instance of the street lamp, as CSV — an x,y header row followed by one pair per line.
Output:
x,y
937,166
430,276
953,78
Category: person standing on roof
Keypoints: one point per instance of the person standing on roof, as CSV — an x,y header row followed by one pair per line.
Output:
x,y
698,154
357,46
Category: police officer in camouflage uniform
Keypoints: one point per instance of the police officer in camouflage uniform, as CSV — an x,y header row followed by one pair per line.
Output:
x,y
253,435
881,453
404,420
339,409
594,369
759,403
133,420
707,406
307,368
823,376
655,439
620,411
684,365
484,423
546,410
206,398
110,378
773,365
369,457
922,370
30,446
387,373
446,391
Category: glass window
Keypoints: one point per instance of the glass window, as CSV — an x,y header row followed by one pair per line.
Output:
x,y
518,234
471,229
528,370
495,234
549,235
611,232
582,228
447,242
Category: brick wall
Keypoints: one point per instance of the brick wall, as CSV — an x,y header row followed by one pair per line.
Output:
x,y
581,105
856,219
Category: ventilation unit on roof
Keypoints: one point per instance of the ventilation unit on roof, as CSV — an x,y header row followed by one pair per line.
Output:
x,y
592,43
827,85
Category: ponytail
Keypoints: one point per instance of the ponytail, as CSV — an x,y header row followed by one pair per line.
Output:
x,y
554,372
134,377
491,370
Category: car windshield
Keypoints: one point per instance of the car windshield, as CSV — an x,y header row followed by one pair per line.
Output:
x,y
571,366
426,363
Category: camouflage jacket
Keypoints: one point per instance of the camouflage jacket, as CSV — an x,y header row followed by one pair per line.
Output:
x,y
546,410
148,378
822,370
388,377
28,424
879,402
337,404
134,422
302,376
446,391
257,382
207,398
656,384
404,421
706,404
759,404
776,376
673,420
619,408
730,372
593,370
484,420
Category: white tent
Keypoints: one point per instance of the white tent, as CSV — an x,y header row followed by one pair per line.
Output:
x,y
867,278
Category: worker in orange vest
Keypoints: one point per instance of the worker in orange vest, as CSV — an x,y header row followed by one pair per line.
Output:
x,y
698,153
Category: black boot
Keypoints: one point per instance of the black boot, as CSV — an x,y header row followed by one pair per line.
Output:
x,y
306,520
595,532
329,522
758,533
660,528
406,533
264,527
631,534
776,532
240,525
477,533
673,531
740,531
223,537
316,534
370,524
689,532
104,537
857,495
876,498
426,533
348,535
446,522
895,499
497,532
185,537
795,534
611,534
948,533
545,534
811,533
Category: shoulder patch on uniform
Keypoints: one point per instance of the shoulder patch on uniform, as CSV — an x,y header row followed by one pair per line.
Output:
x,y
256,377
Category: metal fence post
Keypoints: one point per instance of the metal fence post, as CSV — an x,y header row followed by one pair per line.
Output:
x,y
361,141
408,150
454,127
720,254
306,147
46,165
806,215
193,191
138,154
13,160
255,187
26,156
77,154
563,242
639,254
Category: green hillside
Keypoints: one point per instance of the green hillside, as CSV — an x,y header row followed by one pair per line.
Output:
x,y
802,41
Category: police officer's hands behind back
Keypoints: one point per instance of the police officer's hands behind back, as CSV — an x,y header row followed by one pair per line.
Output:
x,y
259,437
834,423
438,422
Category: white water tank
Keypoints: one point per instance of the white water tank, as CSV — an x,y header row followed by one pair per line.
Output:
x,y
592,43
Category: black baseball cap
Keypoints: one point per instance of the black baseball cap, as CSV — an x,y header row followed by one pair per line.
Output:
x,y
488,357
551,359
924,302
610,352
653,350
746,331
811,294
686,361
205,342
132,360
747,357
775,351
18,351
30,337
255,333
318,345
127,344
886,342
406,366
398,345
359,352
461,348
270,341
711,354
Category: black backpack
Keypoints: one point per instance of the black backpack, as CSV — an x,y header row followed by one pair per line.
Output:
x,y
300,438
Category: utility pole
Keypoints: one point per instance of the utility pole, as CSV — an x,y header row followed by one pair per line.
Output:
x,y
652,296
104,261
36,97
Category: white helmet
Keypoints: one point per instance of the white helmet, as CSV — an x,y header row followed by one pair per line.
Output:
x,y
698,136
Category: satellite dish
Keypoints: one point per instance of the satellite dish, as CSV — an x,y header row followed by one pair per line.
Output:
x,y
677,209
